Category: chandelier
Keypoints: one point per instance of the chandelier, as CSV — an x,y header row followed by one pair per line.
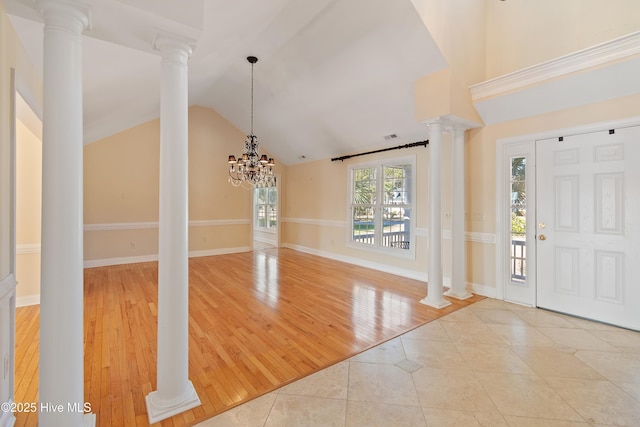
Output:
x,y
251,169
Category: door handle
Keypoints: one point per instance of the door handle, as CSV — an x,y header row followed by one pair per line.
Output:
x,y
542,237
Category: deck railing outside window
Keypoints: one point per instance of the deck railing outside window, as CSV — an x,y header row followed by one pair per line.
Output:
x,y
395,239
518,259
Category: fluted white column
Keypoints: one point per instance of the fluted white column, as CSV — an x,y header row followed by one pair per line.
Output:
x,y
61,372
175,393
435,290
458,287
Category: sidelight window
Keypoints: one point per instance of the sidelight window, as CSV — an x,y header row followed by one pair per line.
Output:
x,y
518,219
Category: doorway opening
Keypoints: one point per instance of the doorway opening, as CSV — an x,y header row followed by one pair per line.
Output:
x,y
265,202
28,181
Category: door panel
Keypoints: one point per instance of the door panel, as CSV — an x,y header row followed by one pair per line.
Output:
x,y
588,234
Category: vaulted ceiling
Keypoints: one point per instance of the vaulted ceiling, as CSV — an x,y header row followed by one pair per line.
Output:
x,y
333,77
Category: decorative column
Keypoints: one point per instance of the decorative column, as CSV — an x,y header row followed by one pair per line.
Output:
x,y
61,381
458,287
434,296
175,393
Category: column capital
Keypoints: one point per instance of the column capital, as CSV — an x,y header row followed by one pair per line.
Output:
x,y
451,123
174,47
435,131
66,14
457,130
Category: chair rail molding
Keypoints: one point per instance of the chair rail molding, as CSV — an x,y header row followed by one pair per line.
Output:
x,y
312,221
154,224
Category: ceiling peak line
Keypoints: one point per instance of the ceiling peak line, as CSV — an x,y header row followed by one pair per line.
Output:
x,y
399,147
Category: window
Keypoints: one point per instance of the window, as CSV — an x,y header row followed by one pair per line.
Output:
x,y
518,219
265,202
381,206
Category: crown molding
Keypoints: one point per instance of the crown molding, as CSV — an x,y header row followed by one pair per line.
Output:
x,y
601,54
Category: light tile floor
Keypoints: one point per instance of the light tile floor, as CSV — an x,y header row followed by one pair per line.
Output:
x,y
489,364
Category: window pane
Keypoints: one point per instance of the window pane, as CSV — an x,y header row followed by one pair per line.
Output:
x,y
396,228
273,196
364,225
261,195
364,186
273,216
397,185
261,216
518,219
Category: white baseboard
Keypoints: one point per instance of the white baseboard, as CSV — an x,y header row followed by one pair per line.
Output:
x,y
224,251
484,290
91,263
475,288
416,275
27,300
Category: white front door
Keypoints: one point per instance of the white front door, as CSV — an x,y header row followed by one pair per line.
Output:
x,y
588,225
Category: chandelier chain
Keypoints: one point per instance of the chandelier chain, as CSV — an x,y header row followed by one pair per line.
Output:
x,y
252,98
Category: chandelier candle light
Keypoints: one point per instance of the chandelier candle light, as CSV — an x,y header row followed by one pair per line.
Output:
x,y
251,168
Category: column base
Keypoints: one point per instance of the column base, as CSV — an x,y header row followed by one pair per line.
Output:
x,y
158,411
458,295
435,304
89,420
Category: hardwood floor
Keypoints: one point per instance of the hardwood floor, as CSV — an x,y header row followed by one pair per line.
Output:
x,y
258,320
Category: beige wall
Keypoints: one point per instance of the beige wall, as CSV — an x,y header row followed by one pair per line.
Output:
x,y
121,176
28,276
317,212
458,27
28,211
524,33
28,185
121,185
